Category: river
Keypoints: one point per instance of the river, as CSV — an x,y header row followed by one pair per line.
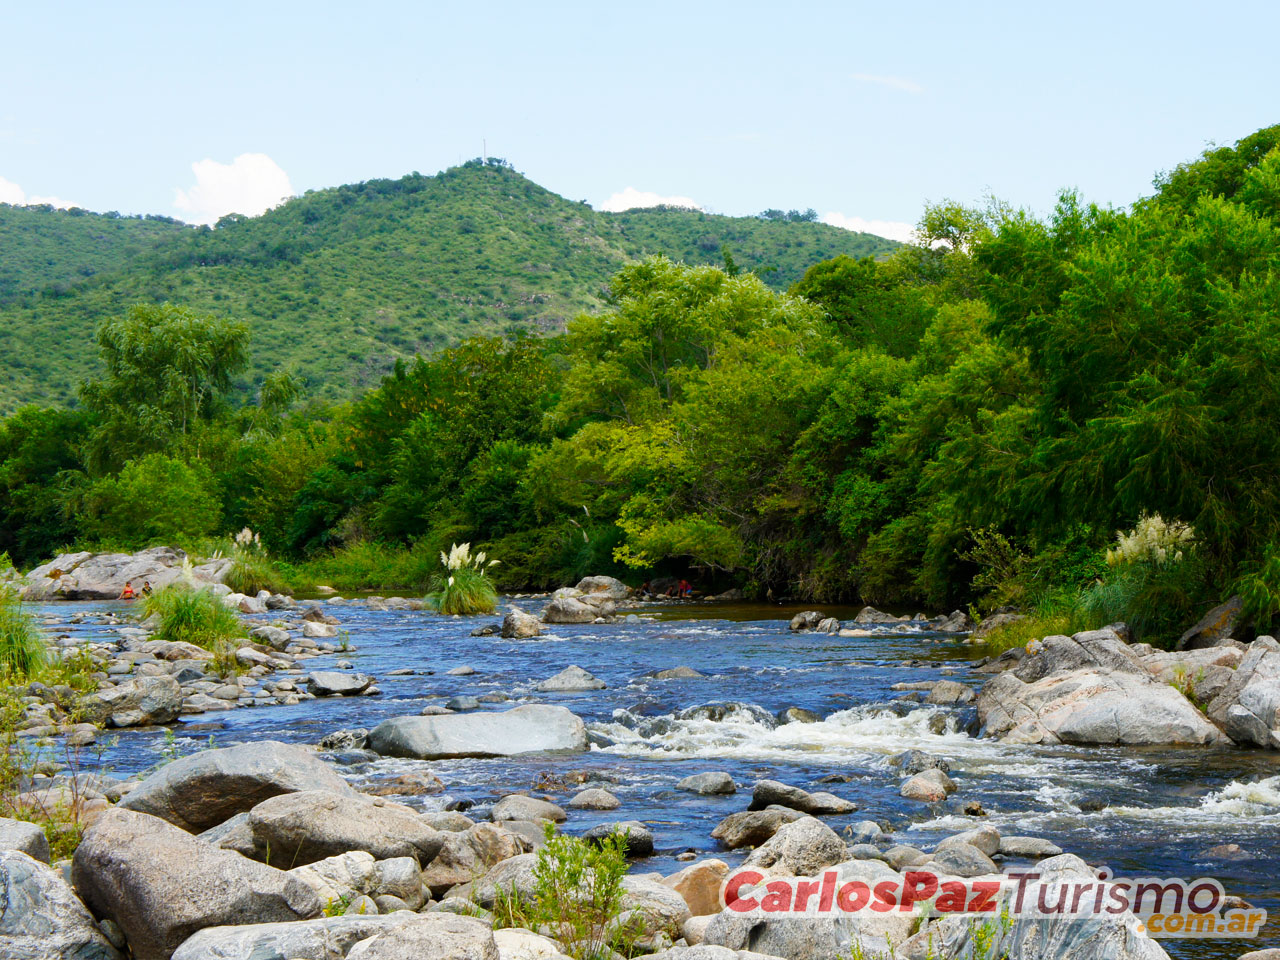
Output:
x,y
1141,812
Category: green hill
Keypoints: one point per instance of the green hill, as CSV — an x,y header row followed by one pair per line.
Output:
x,y
42,247
341,282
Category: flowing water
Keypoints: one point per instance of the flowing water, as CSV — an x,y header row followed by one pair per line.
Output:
x,y
1142,812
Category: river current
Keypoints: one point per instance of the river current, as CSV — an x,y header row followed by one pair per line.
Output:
x,y
1141,812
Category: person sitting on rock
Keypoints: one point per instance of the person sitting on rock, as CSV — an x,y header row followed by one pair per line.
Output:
x,y
127,593
146,588
684,589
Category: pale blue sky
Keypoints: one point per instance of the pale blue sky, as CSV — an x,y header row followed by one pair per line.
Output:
x,y
863,110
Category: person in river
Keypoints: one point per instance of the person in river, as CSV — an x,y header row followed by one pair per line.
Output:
x,y
127,593
146,588
684,589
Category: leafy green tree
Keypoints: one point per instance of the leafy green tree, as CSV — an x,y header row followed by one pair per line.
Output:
x,y
39,458
167,368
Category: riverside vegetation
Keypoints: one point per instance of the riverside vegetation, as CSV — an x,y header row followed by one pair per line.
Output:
x,y
969,420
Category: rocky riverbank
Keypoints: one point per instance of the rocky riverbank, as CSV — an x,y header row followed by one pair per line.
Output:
x,y
262,851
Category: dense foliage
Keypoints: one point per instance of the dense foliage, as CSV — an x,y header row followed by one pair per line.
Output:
x,y
969,420
53,249
340,283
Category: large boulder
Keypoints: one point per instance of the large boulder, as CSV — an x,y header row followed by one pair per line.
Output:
x,y
1218,624
518,625
1248,706
606,587
204,789
141,702
516,806
1092,707
102,576
807,620
40,916
533,728
322,939
300,828
439,936
160,884
572,679
1201,674
346,876
568,606
511,877
699,884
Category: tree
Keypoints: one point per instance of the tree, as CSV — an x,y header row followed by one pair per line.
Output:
x,y
153,499
166,368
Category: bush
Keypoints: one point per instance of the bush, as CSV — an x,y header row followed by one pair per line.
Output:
x,y
464,587
153,499
192,616
22,648
577,897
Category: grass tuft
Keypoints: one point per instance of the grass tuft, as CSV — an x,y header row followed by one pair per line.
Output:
x,y
193,616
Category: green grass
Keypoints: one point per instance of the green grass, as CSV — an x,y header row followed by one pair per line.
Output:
x,y
463,591
22,648
192,616
370,566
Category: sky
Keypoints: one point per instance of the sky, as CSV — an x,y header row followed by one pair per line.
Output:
x,y
865,112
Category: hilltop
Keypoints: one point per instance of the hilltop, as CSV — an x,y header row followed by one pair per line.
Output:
x,y
342,281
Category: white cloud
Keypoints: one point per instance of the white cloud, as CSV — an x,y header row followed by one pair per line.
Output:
x,y
631,198
892,229
250,184
895,83
13,194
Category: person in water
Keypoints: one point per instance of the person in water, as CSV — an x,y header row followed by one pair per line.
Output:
x,y
127,593
684,589
146,588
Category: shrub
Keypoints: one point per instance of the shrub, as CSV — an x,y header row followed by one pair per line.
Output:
x,y
22,648
464,587
577,897
153,499
191,615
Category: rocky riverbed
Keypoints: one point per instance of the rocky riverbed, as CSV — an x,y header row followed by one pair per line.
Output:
x,y
679,719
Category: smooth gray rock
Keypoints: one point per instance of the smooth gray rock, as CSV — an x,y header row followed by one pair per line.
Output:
x,y
533,728
606,587
161,885
335,683
300,828
518,807
202,790
984,838
928,786
40,916
595,799
1101,650
321,939
949,693
572,679
961,859
25,837
711,783
513,876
